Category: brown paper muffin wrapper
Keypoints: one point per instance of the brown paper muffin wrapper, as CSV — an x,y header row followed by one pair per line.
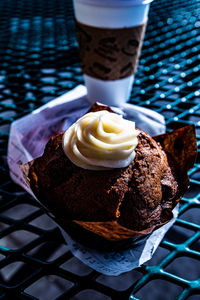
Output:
x,y
181,149
109,54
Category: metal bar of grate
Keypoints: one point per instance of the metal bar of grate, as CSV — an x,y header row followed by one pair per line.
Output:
x,y
38,62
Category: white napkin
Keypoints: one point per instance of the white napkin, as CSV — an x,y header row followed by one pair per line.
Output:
x,y
28,137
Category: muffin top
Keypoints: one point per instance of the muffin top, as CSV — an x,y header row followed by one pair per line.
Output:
x,y
134,195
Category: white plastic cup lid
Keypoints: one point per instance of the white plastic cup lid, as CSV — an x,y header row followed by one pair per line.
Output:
x,y
115,2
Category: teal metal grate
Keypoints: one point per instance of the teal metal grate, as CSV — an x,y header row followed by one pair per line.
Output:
x,y
38,62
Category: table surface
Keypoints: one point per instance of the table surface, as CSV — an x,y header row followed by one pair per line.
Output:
x,y
38,62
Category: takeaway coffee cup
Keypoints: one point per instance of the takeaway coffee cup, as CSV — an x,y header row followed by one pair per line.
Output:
x,y
110,35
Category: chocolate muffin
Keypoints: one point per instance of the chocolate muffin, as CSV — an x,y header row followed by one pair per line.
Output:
x,y
121,203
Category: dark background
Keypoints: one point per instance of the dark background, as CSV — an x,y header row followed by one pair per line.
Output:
x,y
38,62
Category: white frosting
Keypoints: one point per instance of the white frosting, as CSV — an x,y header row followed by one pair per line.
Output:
x,y
101,140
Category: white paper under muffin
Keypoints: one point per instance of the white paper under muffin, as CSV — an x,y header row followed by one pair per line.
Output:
x,y
28,137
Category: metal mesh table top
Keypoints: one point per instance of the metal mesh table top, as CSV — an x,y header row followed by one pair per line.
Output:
x,y
38,62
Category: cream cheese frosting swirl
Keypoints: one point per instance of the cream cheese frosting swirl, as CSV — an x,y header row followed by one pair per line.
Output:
x,y
101,140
